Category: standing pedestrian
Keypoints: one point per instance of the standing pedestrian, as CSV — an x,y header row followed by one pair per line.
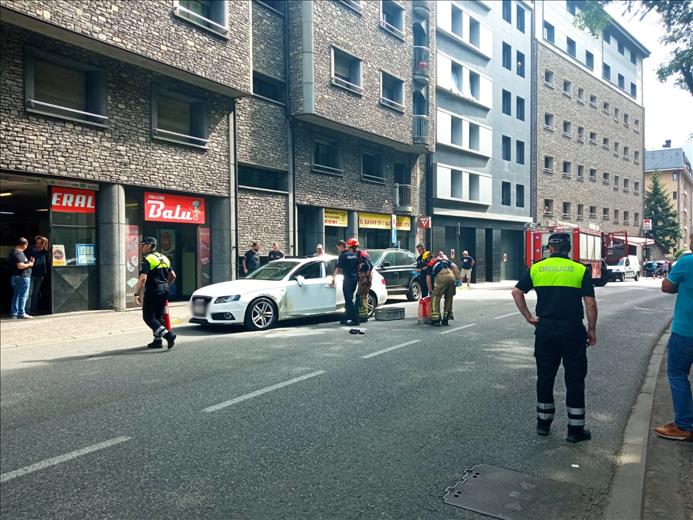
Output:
x,y
442,271
319,250
38,272
20,269
680,350
365,279
467,266
156,275
347,265
422,268
561,285
275,253
251,259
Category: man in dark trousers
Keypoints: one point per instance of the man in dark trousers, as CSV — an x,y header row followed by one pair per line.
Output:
x,y
422,268
561,285
348,265
156,275
251,259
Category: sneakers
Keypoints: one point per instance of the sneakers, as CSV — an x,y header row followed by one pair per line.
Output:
x,y
25,317
578,435
673,432
170,338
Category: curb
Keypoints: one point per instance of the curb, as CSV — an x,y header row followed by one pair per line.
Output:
x,y
626,494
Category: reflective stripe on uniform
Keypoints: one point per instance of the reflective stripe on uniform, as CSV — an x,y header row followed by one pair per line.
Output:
x,y
557,271
160,331
576,422
546,406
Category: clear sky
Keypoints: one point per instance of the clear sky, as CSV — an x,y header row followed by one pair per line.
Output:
x,y
668,109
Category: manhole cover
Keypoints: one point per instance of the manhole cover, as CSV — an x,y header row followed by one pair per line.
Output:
x,y
510,495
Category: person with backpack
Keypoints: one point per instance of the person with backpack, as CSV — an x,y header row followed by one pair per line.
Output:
x,y
441,282
365,279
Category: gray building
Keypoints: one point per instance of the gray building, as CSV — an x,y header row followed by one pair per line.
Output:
x,y
479,190
588,124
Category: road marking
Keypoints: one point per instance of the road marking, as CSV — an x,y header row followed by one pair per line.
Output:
x,y
457,328
262,391
61,458
506,315
643,309
401,345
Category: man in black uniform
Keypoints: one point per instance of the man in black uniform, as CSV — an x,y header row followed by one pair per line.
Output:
x,y
422,267
156,275
561,285
348,265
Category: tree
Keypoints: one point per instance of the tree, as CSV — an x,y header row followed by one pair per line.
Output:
x,y
677,19
658,207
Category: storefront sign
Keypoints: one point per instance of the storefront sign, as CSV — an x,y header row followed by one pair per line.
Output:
x,y
374,221
72,200
160,207
85,254
403,223
336,218
59,259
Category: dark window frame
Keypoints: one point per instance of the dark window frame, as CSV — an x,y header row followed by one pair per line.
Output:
x,y
269,81
211,25
198,119
378,178
335,155
506,193
280,178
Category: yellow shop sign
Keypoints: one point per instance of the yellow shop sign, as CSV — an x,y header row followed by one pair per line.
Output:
x,y
375,221
403,223
336,218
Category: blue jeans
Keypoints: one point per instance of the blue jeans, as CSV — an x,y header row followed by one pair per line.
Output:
x,y
21,285
679,361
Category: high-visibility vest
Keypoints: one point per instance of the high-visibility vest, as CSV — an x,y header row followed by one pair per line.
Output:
x,y
557,271
157,261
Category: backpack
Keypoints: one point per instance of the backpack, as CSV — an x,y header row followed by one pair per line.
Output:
x,y
365,264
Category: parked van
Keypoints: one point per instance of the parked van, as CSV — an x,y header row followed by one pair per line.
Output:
x,y
627,267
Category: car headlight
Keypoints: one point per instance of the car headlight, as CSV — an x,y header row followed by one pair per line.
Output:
x,y
228,299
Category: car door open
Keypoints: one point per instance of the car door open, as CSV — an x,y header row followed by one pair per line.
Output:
x,y
309,291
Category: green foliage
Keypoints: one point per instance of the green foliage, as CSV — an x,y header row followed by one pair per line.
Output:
x,y
681,251
677,21
658,207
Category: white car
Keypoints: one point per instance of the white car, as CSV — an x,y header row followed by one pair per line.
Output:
x,y
282,289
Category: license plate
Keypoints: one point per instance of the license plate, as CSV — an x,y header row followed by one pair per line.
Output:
x,y
198,309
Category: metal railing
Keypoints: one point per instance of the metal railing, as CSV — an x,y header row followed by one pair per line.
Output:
x,y
70,110
422,61
421,129
200,20
182,137
402,195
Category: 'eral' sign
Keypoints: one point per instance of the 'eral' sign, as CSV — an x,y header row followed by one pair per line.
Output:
x,y
161,207
72,200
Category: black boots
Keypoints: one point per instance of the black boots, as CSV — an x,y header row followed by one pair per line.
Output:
x,y
543,427
170,338
578,435
156,343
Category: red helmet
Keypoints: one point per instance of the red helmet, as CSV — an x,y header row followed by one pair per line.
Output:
x,y
352,242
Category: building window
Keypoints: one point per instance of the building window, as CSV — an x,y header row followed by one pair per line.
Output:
x,y
581,172
605,143
571,6
252,177
456,179
633,90
456,125
392,17
621,48
353,4
520,108
507,11
605,213
567,168
179,119
633,57
520,195
589,60
593,211
59,87
567,88
567,129
606,72
581,95
208,14
391,91
548,78
581,134
474,32
621,82
276,5
626,153
674,176
626,185
617,182
520,64
457,75
519,152
636,219
327,157
607,36
581,212
593,174
626,120
505,194
270,88
548,164
616,216
506,148
606,108
570,47
507,56
549,32
616,115
520,22
616,148
674,195
636,187
548,207
626,217
593,101
593,137
506,102
567,210
456,22
548,121
605,178
636,157
372,167
636,125
346,71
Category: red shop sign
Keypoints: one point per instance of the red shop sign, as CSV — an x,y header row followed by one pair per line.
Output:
x,y
160,207
72,200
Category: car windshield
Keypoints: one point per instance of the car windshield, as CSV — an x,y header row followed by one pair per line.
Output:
x,y
375,255
276,271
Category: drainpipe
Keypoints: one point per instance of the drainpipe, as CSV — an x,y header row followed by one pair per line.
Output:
x,y
233,190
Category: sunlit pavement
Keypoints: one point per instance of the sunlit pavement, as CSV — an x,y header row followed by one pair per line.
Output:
x,y
307,420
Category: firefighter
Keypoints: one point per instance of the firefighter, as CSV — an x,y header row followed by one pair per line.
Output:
x,y
365,278
560,336
156,275
441,271
422,268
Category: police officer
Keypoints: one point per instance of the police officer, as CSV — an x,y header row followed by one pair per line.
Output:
x,y
156,275
364,279
561,285
348,265
443,272
422,268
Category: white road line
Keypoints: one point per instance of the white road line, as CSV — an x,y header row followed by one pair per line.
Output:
x,y
262,391
457,328
373,354
643,309
506,315
61,458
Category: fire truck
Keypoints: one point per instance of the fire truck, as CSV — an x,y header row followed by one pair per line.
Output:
x,y
590,247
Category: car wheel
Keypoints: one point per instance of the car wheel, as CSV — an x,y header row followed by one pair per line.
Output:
x,y
414,292
622,278
372,302
637,275
261,314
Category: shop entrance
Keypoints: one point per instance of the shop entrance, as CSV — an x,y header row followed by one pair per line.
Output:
x,y
179,243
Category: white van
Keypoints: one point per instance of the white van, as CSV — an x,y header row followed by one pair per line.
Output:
x,y
627,267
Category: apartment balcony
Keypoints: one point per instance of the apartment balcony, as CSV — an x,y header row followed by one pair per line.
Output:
x,y
422,8
403,198
422,63
421,129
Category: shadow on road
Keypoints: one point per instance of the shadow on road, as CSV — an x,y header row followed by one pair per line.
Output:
x,y
107,354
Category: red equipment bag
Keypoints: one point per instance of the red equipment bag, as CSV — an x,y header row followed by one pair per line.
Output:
x,y
424,309
167,317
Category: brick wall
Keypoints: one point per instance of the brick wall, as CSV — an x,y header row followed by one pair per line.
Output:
x,y
262,128
122,153
262,217
269,51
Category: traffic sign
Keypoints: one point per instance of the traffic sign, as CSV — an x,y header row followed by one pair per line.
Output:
x,y
647,224
425,222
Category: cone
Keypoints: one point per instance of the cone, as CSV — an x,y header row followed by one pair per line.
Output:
x,y
167,317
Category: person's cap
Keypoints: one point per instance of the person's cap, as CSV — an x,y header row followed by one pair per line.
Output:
x,y
560,240
148,240
352,242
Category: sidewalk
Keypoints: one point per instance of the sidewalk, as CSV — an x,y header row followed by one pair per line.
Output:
x,y
55,328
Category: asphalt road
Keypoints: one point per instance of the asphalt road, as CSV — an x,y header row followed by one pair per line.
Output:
x,y
308,421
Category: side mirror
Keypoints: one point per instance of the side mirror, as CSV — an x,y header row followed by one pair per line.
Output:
x,y
300,280
386,264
